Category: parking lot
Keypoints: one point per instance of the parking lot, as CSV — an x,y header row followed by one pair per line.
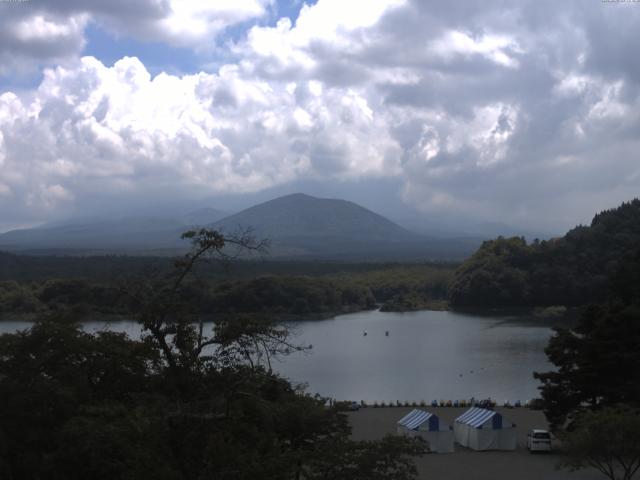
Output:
x,y
464,464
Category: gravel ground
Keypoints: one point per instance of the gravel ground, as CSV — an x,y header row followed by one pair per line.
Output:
x,y
465,464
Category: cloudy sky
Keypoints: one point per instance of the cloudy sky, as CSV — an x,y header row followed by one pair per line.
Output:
x,y
526,113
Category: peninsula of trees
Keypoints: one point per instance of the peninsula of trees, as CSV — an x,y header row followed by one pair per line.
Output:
x,y
573,270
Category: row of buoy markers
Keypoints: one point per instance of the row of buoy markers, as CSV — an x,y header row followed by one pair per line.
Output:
x,y
386,333
479,369
486,403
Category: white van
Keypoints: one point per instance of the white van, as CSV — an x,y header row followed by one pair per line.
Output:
x,y
539,441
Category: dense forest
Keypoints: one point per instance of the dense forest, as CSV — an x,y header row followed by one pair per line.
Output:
x,y
573,270
102,285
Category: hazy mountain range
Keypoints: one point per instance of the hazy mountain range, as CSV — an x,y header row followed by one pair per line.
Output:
x,y
129,234
297,226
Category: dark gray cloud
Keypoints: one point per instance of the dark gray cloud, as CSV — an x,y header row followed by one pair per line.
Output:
x,y
30,33
36,33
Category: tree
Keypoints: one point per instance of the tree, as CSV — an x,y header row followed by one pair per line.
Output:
x,y
180,403
49,375
597,360
299,428
167,318
597,363
607,440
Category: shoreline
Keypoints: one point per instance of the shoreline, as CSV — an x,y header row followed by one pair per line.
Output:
x,y
536,315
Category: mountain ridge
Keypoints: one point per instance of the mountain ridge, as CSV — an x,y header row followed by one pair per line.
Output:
x,y
304,215
135,232
297,225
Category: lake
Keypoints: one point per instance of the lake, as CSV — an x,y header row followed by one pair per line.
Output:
x,y
428,355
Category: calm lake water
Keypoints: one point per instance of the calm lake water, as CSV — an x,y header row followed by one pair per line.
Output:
x,y
427,355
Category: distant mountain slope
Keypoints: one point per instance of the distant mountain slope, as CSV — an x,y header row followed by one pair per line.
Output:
x,y
202,216
573,270
300,225
123,234
299,216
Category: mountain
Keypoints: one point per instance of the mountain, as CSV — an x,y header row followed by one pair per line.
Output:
x,y
300,225
299,215
297,226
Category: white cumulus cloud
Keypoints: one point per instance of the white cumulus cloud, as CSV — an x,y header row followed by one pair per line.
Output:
x,y
116,129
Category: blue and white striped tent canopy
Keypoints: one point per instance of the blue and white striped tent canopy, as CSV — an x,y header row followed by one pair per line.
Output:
x,y
417,418
477,417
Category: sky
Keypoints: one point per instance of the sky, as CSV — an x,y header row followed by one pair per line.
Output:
x,y
525,113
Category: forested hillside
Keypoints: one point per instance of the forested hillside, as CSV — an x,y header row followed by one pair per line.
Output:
x,y
573,270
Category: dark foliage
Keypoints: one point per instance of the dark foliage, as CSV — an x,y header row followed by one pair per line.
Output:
x,y
573,270
293,296
52,379
597,361
607,440
297,295
398,287
182,403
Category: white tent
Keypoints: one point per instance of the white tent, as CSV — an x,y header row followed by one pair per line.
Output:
x,y
482,429
427,426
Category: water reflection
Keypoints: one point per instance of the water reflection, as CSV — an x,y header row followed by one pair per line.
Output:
x,y
427,355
